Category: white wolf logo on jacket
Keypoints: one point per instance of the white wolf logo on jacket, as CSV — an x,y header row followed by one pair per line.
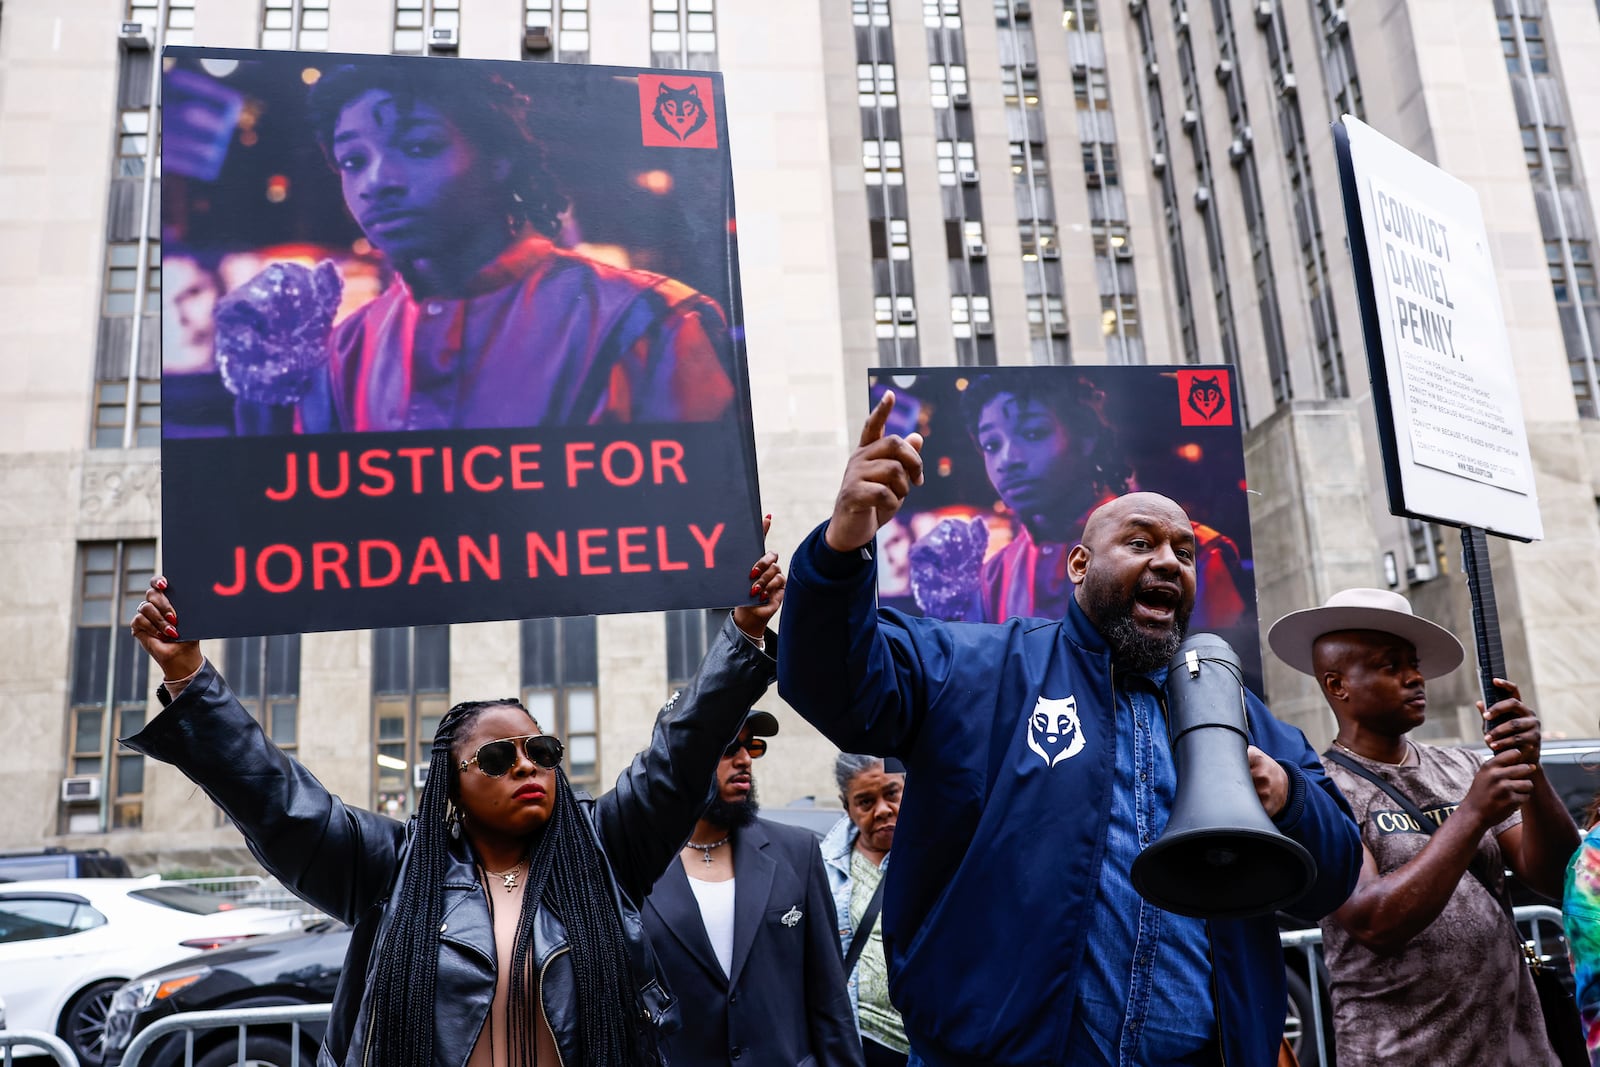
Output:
x,y
1054,731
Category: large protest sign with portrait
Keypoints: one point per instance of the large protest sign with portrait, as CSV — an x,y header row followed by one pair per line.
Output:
x,y
448,340
1016,459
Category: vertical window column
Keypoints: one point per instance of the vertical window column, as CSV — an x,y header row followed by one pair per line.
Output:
x,y
888,223
966,250
1108,209
1338,59
1160,165
110,677
1044,304
1194,125
177,27
1565,220
1307,219
561,687
410,694
689,634
1241,153
264,673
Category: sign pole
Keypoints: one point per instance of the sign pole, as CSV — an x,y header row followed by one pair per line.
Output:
x,y
1485,615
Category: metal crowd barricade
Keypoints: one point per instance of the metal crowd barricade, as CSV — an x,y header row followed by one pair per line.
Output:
x,y
190,1023
248,891
33,1040
1533,920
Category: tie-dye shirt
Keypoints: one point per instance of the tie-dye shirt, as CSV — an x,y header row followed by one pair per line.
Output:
x,y
1581,906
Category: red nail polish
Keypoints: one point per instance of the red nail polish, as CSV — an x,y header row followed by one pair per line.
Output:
x,y
161,583
755,590
172,632
754,571
765,599
769,516
172,617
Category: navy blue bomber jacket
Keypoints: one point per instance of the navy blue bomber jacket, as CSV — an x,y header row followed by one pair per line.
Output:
x,y
998,847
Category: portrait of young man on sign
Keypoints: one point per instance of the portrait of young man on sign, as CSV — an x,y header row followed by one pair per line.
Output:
x,y
1018,457
513,283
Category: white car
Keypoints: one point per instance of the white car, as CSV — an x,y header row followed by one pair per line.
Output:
x,y
67,945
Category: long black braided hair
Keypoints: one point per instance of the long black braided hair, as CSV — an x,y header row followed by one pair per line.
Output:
x,y
567,873
494,114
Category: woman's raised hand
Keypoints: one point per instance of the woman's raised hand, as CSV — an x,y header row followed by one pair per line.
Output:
x,y
766,583
155,626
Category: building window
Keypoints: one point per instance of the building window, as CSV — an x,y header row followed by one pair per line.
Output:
x,y
1090,91
1100,165
110,679
561,687
301,24
947,84
1080,15
264,673
689,634
957,162
894,316
556,29
180,19
941,14
683,33
410,694
875,85
416,21
869,12
133,142
1047,317
970,317
1119,315
1532,38
1556,145
891,239
114,391
1018,89
1582,272
122,278
881,162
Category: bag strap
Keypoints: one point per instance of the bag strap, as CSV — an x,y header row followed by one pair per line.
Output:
x,y
869,918
1426,824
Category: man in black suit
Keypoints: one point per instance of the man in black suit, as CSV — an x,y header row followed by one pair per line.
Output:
x,y
745,930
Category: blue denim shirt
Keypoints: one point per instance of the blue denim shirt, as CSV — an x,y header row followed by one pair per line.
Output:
x,y
1144,995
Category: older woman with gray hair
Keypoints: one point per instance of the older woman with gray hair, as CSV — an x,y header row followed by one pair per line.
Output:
x,y
856,855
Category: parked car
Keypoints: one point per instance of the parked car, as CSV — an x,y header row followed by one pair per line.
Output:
x,y
67,946
807,813
281,969
61,863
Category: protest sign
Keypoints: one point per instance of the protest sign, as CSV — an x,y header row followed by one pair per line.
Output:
x,y
448,340
1450,423
1016,459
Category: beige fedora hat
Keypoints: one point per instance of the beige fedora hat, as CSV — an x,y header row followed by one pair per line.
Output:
x,y
1292,636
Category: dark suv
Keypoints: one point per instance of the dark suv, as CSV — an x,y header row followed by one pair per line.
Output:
x,y
283,969
61,863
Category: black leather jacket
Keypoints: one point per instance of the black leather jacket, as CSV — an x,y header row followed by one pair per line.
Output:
x,y
347,861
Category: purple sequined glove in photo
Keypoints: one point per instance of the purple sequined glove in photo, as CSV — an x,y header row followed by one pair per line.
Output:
x,y
946,565
272,331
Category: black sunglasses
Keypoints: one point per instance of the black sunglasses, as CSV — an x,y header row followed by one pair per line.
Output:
x,y
497,757
756,746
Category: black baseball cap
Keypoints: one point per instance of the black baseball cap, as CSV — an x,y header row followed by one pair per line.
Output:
x,y
761,724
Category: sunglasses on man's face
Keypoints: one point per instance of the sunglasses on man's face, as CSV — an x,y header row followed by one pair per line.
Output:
x,y
756,746
497,757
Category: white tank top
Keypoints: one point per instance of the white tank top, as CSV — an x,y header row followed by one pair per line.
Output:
x,y
716,912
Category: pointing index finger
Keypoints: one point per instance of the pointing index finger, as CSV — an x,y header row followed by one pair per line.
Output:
x,y
876,421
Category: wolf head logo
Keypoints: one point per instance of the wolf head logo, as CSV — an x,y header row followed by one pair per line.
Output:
x,y
1206,396
1054,732
679,111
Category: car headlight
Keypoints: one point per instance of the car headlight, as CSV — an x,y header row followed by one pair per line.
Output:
x,y
139,994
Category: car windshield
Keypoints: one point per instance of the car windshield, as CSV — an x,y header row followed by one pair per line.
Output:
x,y
183,898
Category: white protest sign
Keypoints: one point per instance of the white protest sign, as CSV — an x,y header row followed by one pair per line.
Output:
x,y
1450,417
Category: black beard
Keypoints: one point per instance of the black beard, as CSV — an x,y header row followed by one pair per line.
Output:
x,y
1132,648
734,815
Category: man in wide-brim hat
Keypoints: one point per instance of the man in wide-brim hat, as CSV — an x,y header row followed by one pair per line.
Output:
x,y
1423,959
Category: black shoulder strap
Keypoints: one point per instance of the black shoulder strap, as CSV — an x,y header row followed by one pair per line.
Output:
x,y
863,934
1420,819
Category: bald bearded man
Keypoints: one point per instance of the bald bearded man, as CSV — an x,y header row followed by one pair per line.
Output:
x,y
1039,750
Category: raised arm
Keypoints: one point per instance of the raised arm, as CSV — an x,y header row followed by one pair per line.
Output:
x,y
860,678
644,821
339,858
1536,849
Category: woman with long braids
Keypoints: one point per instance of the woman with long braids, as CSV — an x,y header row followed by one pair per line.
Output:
x,y
499,926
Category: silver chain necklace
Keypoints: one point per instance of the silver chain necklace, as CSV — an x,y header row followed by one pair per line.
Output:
x,y
705,850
